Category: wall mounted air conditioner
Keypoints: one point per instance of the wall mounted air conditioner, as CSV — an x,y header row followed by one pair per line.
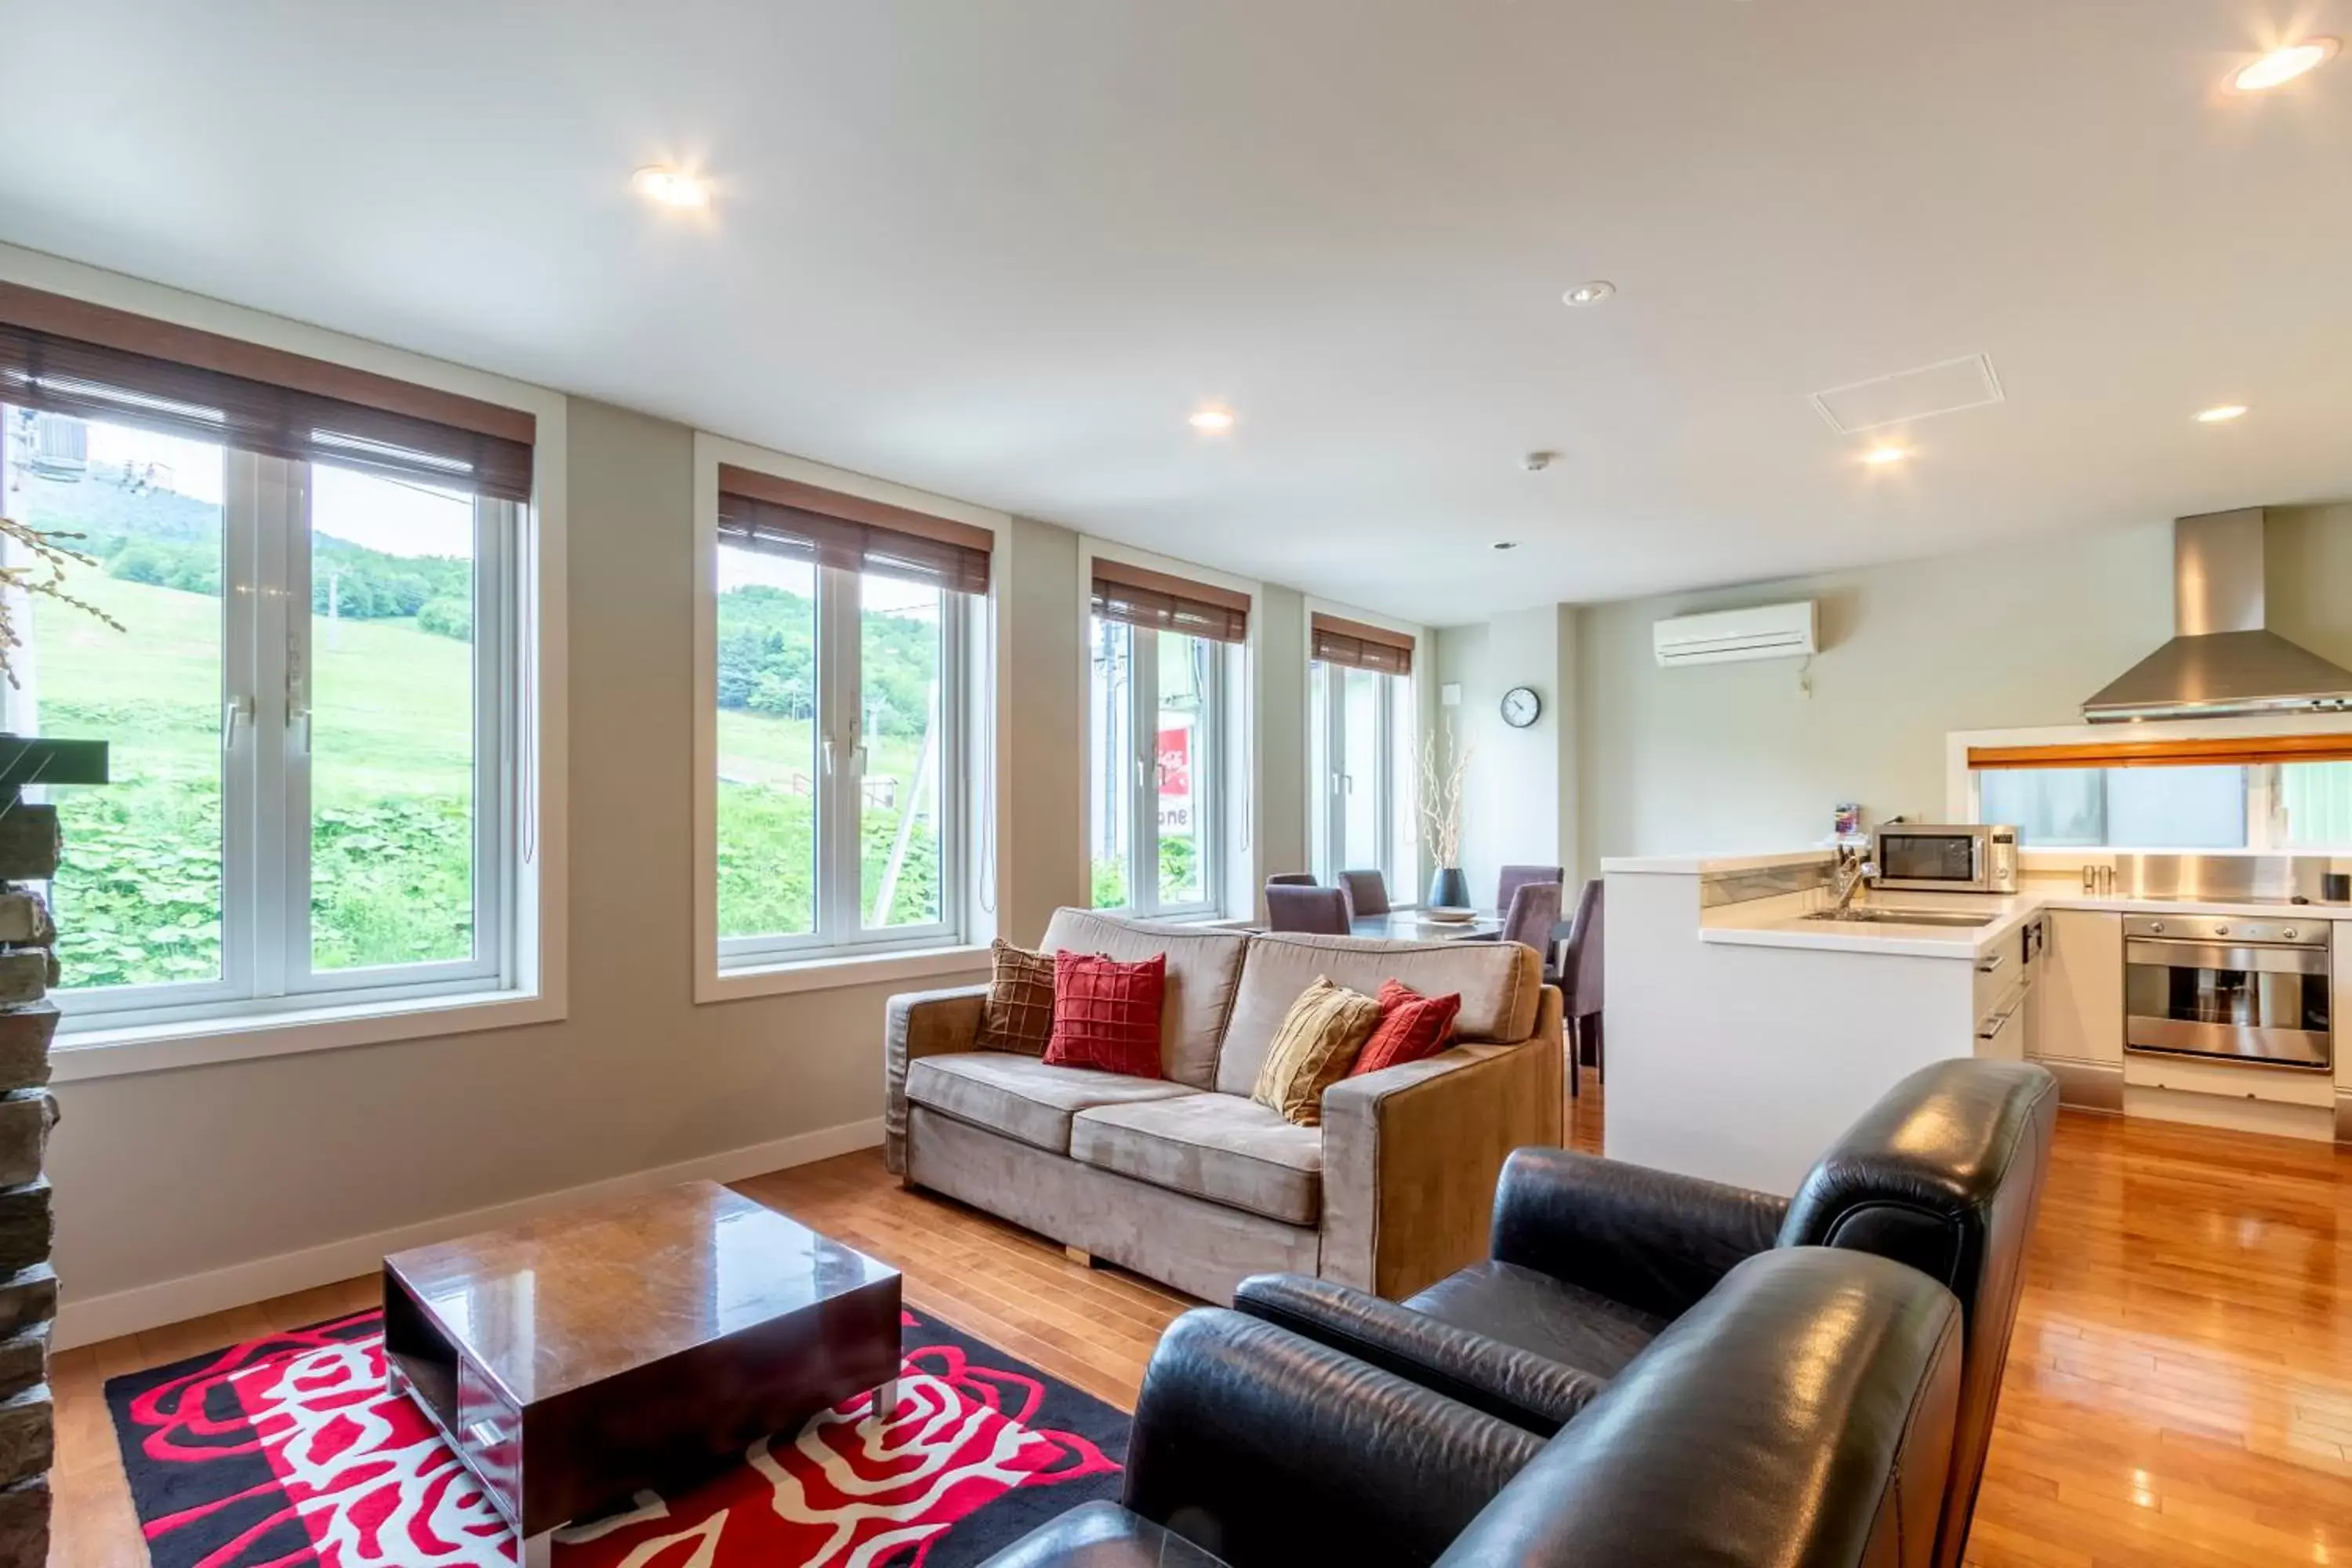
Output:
x,y
1767,631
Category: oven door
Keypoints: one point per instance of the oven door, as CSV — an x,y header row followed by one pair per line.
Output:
x,y
2240,1001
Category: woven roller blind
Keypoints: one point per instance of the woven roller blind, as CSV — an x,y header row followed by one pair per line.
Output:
x,y
786,517
1142,597
65,356
1360,647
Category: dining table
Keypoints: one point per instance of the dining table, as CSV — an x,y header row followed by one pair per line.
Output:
x,y
1411,925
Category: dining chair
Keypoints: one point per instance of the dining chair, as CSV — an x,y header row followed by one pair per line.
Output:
x,y
1291,879
1315,911
1367,890
1533,911
1513,877
1580,973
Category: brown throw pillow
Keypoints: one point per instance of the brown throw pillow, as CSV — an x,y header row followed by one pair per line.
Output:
x,y
1019,1013
1314,1049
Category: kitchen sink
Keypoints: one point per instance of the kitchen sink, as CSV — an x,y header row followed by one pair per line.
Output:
x,y
1894,917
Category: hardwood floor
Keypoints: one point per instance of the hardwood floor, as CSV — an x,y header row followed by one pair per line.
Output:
x,y
2180,1388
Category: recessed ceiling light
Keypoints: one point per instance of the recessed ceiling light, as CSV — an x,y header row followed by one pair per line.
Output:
x,y
2282,66
670,187
1211,419
1879,456
1506,544
1591,293
2222,414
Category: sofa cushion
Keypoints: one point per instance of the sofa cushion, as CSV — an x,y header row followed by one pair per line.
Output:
x,y
1499,982
1521,1307
1022,1097
1107,1014
1314,1049
1204,967
1220,1147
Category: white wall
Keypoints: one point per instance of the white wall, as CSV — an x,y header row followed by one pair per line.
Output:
x,y
1520,797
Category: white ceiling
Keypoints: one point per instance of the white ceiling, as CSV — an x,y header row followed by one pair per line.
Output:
x,y
1000,248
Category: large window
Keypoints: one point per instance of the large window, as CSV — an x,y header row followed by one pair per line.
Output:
x,y
1156,729
1361,734
2276,795
839,819
307,707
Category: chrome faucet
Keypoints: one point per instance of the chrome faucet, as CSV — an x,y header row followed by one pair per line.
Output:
x,y
1854,869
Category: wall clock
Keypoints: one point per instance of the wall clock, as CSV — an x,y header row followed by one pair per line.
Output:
x,y
1521,707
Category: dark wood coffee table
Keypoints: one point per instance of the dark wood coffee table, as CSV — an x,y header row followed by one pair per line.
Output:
x,y
637,1346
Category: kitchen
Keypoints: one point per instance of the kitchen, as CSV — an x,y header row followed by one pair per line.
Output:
x,y
1757,1002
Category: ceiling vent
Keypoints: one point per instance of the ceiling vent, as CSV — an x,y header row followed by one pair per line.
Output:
x,y
1946,387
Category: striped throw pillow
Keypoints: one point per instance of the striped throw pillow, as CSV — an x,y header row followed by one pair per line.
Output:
x,y
1314,1049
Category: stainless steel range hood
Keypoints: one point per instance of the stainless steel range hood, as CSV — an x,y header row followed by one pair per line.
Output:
x,y
2222,661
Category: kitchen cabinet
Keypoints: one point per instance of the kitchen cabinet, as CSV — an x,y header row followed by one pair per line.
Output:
x,y
2078,996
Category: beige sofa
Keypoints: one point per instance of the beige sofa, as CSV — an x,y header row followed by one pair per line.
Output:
x,y
1186,1179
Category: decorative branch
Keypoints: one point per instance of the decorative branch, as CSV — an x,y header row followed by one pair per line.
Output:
x,y
1441,796
45,575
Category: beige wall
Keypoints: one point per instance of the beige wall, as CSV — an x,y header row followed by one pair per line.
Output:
x,y
1520,797
1041,738
1280,697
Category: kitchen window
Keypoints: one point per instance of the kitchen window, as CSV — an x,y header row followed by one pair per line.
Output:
x,y
1360,752
1157,721
838,821
2262,794
311,701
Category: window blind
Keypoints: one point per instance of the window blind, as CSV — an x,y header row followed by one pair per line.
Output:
x,y
67,356
1360,647
2240,751
1142,597
786,517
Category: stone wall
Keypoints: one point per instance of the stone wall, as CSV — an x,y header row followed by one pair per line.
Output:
x,y
29,1288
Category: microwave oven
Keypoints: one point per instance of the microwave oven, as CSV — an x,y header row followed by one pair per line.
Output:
x,y
1962,858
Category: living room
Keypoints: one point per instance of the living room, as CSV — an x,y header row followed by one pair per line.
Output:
x,y
771,533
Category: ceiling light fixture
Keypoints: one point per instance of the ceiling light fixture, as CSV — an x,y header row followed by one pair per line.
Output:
x,y
2282,66
1213,420
1591,293
1506,544
2222,414
1879,456
670,187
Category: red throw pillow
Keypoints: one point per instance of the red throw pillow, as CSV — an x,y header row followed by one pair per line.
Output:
x,y
1107,1014
1412,1026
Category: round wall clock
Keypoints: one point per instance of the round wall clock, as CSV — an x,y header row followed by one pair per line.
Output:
x,y
1521,707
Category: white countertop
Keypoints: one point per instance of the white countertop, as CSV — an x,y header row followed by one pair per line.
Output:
x,y
1780,922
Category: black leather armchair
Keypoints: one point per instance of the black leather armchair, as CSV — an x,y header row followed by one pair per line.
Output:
x,y
1801,1413
1593,1259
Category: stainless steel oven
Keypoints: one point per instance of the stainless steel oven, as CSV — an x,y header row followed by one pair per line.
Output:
x,y
1964,858
2217,985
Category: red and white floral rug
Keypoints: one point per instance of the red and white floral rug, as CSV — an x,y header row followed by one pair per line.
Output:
x,y
288,1451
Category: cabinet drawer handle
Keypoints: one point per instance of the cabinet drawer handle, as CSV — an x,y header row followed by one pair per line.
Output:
x,y
1989,965
486,1434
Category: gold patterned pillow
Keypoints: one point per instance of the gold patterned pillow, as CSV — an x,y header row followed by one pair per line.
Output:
x,y
1314,1049
1019,1013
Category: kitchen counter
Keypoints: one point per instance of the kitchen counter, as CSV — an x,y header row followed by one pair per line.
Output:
x,y
1780,922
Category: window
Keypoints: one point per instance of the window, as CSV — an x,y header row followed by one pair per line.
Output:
x,y
2264,793
1156,734
1360,744
838,820
309,717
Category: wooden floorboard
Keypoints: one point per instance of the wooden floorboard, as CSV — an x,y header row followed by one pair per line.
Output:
x,y
2179,1386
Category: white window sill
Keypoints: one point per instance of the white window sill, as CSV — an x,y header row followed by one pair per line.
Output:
x,y
115,1051
836,971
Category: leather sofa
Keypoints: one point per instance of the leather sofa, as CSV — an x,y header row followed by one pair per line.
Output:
x,y
1595,1260
1187,1179
1800,1413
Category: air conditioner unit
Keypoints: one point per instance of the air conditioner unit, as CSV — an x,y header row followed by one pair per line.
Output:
x,y
1767,631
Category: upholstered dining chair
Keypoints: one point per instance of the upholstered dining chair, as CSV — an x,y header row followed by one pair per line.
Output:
x,y
1315,911
1513,877
1367,891
1579,984
1291,879
1533,911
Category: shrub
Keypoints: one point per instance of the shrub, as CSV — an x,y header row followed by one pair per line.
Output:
x,y
447,619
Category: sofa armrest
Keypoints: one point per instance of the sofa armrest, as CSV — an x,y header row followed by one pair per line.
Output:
x,y
1649,1239
921,1024
1411,1153
1505,1381
1264,1448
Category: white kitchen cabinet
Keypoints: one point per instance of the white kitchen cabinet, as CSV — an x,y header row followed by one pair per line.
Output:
x,y
2078,996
